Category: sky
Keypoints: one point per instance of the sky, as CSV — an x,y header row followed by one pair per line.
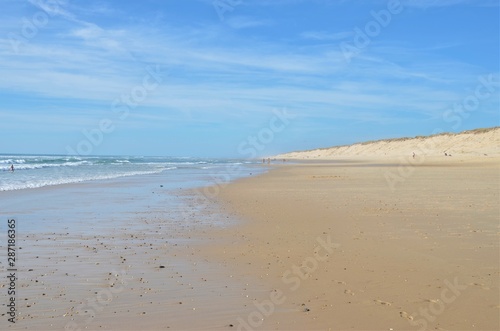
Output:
x,y
241,78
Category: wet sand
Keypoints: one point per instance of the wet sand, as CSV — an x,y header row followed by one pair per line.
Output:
x,y
116,255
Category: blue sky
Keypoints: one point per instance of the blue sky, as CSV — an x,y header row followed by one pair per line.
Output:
x,y
210,78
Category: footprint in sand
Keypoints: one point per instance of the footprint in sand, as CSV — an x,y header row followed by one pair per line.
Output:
x,y
380,302
404,314
484,287
349,292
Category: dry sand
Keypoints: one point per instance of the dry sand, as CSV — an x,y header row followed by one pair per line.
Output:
x,y
421,254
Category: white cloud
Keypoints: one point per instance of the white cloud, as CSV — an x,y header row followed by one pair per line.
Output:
x,y
89,32
90,64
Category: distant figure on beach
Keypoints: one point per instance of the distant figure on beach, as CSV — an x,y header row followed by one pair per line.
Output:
x,y
12,167
268,160
413,154
263,161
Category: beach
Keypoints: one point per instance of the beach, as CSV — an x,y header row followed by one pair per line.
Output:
x,y
250,165
323,245
347,251
117,253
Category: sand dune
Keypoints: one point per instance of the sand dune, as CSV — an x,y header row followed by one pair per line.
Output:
x,y
473,143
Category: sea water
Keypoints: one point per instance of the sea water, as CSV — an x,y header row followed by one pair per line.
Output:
x,y
53,192
34,171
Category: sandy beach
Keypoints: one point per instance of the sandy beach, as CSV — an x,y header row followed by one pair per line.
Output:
x,y
362,244
236,165
115,255
340,249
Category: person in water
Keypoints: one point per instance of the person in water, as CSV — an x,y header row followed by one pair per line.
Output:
x,y
12,167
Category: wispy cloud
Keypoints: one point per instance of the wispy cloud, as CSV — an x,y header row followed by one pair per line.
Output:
x,y
227,77
327,36
56,8
213,73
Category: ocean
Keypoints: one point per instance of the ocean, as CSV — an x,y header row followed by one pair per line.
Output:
x,y
35,171
90,194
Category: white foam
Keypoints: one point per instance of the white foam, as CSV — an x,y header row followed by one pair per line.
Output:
x,y
49,165
61,181
11,161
